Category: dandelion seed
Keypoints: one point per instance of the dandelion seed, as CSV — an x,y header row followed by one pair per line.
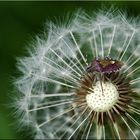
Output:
x,y
83,80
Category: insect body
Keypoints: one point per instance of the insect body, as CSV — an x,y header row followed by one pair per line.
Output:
x,y
107,65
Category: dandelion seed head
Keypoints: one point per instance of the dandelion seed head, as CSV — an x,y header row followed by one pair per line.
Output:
x,y
59,99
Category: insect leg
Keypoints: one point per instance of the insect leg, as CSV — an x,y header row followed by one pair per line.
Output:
x,y
101,80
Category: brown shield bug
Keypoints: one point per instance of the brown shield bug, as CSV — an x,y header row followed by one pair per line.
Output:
x,y
107,65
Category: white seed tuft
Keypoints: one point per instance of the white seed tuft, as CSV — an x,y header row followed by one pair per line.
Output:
x,y
57,62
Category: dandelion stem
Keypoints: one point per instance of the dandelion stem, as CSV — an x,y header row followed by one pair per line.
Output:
x,y
132,64
91,123
75,121
54,81
101,40
61,68
134,110
117,131
49,106
135,81
54,102
52,95
132,54
60,114
113,34
103,127
74,64
129,128
78,47
74,55
59,73
119,55
95,43
127,45
133,120
91,46
70,48
132,72
62,126
80,125
65,62
99,131
85,129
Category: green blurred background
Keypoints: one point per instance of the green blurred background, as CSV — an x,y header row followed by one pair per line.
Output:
x,y
19,23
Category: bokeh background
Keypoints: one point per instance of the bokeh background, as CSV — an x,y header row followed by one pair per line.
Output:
x,y
19,23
